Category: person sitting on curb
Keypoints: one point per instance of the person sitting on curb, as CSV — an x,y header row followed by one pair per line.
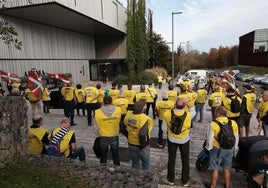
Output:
x,y
38,136
68,142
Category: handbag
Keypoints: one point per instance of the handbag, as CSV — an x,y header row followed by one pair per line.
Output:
x,y
96,147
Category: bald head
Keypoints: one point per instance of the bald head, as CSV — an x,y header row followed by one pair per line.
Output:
x,y
181,102
265,96
37,120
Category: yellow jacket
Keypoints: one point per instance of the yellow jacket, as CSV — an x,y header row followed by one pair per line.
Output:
x,y
129,95
250,99
227,104
162,106
184,136
121,103
65,142
139,127
68,93
108,125
35,139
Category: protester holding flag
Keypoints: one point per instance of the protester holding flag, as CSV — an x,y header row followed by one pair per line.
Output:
x,y
33,92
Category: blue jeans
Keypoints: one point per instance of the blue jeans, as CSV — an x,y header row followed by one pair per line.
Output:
x,y
69,110
137,156
79,152
172,152
113,142
199,108
160,132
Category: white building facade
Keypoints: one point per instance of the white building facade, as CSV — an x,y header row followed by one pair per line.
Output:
x,y
81,37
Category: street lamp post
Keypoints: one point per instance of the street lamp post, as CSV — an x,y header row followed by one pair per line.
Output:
x,y
173,13
181,58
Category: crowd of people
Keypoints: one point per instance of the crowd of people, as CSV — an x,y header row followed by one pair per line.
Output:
x,y
114,111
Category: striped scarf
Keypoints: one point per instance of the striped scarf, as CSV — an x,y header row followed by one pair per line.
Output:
x,y
60,134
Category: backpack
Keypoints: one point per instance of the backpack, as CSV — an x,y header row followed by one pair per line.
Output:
x,y
177,123
226,136
235,105
53,148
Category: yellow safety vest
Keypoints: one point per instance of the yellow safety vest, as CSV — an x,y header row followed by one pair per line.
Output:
x,y
216,129
134,122
35,139
227,104
108,125
65,142
114,93
129,95
151,94
202,96
250,102
263,109
68,93
90,93
216,98
121,103
162,106
172,95
79,93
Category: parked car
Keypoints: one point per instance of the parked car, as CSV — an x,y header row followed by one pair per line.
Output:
x,y
239,76
264,81
258,79
247,78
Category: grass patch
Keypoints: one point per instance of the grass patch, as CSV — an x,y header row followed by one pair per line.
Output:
x,y
35,177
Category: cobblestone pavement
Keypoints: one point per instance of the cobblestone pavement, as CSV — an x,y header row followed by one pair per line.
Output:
x,y
159,156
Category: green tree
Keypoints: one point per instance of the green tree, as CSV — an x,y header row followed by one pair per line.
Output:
x,y
137,50
158,51
140,37
130,39
8,33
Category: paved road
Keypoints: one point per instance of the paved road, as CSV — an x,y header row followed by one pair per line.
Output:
x,y
85,137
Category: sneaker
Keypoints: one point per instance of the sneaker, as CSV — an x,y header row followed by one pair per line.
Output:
x,y
186,184
166,181
159,145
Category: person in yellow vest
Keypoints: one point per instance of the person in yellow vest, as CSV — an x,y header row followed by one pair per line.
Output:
x,y
160,80
215,99
114,93
161,107
211,82
179,140
46,99
130,94
91,98
226,102
169,78
193,95
185,82
141,95
151,99
106,123
139,127
34,101
202,94
184,94
80,97
172,95
219,157
68,93
247,108
101,95
66,137
38,136
262,115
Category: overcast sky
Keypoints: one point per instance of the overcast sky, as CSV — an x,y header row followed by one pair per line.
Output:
x,y
207,23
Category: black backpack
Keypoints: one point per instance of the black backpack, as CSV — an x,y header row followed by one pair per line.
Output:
x,y
226,136
177,122
235,105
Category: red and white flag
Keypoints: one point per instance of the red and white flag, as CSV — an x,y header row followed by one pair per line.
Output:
x,y
34,84
228,81
9,77
63,77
